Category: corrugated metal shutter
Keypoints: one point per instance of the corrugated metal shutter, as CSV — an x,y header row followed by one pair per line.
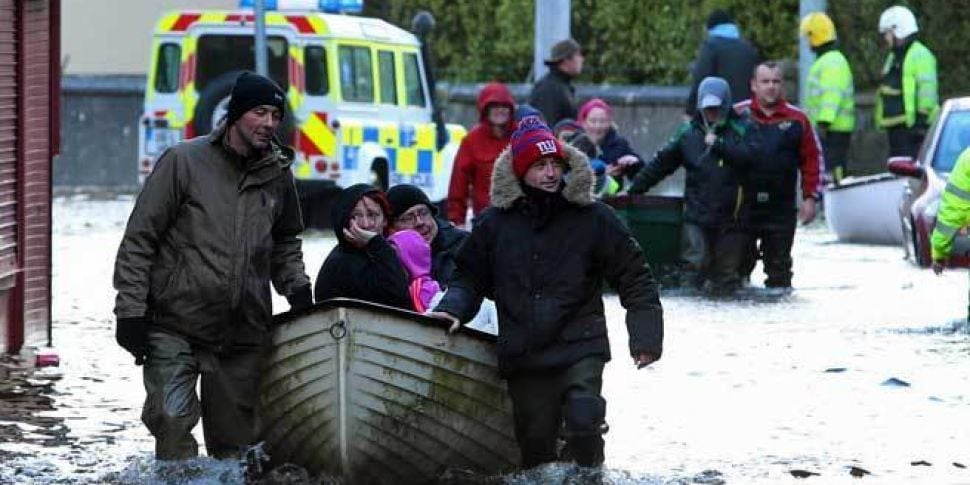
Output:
x,y
35,179
8,141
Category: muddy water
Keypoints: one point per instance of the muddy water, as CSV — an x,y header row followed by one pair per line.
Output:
x,y
864,365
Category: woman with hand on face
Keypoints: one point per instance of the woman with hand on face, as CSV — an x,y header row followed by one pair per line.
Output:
x,y
596,118
363,266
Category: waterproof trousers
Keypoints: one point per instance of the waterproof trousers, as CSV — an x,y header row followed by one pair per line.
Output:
x,y
542,400
227,405
714,254
836,148
772,239
904,141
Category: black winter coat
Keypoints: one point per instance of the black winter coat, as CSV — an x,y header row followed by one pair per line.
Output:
x,y
712,193
543,260
554,96
731,59
614,147
372,273
444,250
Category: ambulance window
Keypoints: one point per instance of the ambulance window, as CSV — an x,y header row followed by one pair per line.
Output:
x,y
356,74
167,68
315,60
412,80
385,61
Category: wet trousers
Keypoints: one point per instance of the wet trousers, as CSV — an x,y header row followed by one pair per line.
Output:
x,y
172,407
836,148
904,141
771,239
542,400
714,254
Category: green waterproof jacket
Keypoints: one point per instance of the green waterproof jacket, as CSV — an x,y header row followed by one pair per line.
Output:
x,y
831,94
208,234
920,93
954,213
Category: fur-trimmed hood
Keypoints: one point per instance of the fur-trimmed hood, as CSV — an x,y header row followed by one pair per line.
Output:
x,y
506,188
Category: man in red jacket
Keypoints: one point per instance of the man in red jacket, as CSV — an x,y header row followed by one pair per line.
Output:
x,y
471,176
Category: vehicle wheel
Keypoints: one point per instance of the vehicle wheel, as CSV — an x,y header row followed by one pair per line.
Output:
x,y
214,103
379,174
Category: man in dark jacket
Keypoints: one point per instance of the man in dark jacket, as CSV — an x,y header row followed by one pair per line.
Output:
x,y
216,222
713,241
363,266
724,54
411,209
542,253
554,94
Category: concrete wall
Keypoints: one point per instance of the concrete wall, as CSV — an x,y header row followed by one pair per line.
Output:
x,y
99,116
114,36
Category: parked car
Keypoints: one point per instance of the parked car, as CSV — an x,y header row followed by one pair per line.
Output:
x,y
948,136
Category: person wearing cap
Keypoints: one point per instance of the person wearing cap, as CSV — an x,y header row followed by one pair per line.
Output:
x,y
706,147
542,251
622,161
471,176
554,94
830,98
908,98
216,223
411,209
788,155
724,54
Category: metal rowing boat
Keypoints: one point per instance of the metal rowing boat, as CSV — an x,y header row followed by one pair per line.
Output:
x,y
374,394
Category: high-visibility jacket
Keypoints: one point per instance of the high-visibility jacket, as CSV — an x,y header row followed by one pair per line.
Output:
x,y
831,94
954,213
920,94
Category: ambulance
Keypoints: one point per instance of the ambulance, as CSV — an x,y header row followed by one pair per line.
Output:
x,y
360,107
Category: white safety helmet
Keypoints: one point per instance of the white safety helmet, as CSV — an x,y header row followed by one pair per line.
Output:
x,y
899,20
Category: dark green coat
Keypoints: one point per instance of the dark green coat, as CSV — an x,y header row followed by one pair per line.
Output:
x,y
208,234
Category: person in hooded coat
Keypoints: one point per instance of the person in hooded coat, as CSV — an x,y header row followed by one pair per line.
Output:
x,y
363,266
713,241
471,177
542,252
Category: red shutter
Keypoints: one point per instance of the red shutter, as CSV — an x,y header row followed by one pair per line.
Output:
x,y
10,323
34,178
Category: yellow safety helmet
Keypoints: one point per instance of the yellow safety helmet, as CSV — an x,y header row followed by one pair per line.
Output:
x,y
818,27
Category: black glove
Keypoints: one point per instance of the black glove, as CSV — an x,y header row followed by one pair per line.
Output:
x,y
300,299
132,335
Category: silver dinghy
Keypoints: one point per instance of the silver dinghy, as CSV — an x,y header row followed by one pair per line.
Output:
x,y
374,394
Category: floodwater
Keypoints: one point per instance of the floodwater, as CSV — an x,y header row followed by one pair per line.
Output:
x,y
864,365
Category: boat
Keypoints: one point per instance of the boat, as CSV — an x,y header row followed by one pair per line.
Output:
x,y
373,394
865,210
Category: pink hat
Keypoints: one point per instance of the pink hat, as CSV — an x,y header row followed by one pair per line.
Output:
x,y
594,103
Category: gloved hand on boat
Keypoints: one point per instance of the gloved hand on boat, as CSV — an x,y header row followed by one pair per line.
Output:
x,y
300,299
455,323
132,335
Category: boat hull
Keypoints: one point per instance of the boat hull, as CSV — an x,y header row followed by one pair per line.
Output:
x,y
378,395
865,210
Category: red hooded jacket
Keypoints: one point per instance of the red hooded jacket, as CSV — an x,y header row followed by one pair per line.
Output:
x,y
471,176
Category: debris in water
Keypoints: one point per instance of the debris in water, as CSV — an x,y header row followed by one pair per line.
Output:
x,y
920,463
894,382
959,465
858,472
709,477
803,473
835,370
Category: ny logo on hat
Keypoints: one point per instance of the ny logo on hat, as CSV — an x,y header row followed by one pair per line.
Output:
x,y
546,147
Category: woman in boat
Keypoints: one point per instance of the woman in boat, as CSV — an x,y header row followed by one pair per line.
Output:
x,y
363,266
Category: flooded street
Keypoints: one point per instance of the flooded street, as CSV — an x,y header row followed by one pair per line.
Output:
x,y
864,365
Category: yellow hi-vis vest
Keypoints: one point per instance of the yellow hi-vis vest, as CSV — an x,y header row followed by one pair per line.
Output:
x,y
831,94
920,94
954,212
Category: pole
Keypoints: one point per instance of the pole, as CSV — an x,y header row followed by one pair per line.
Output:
x,y
805,55
259,11
552,25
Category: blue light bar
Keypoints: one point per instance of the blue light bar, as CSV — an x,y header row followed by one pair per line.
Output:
x,y
328,6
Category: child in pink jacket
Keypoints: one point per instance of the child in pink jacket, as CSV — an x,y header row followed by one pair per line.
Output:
x,y
415,255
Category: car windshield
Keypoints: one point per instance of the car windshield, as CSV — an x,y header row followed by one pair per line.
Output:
x,y
954,139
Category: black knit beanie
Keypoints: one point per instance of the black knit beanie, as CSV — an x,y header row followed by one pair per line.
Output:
x,y
252,90
403,197
719,17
